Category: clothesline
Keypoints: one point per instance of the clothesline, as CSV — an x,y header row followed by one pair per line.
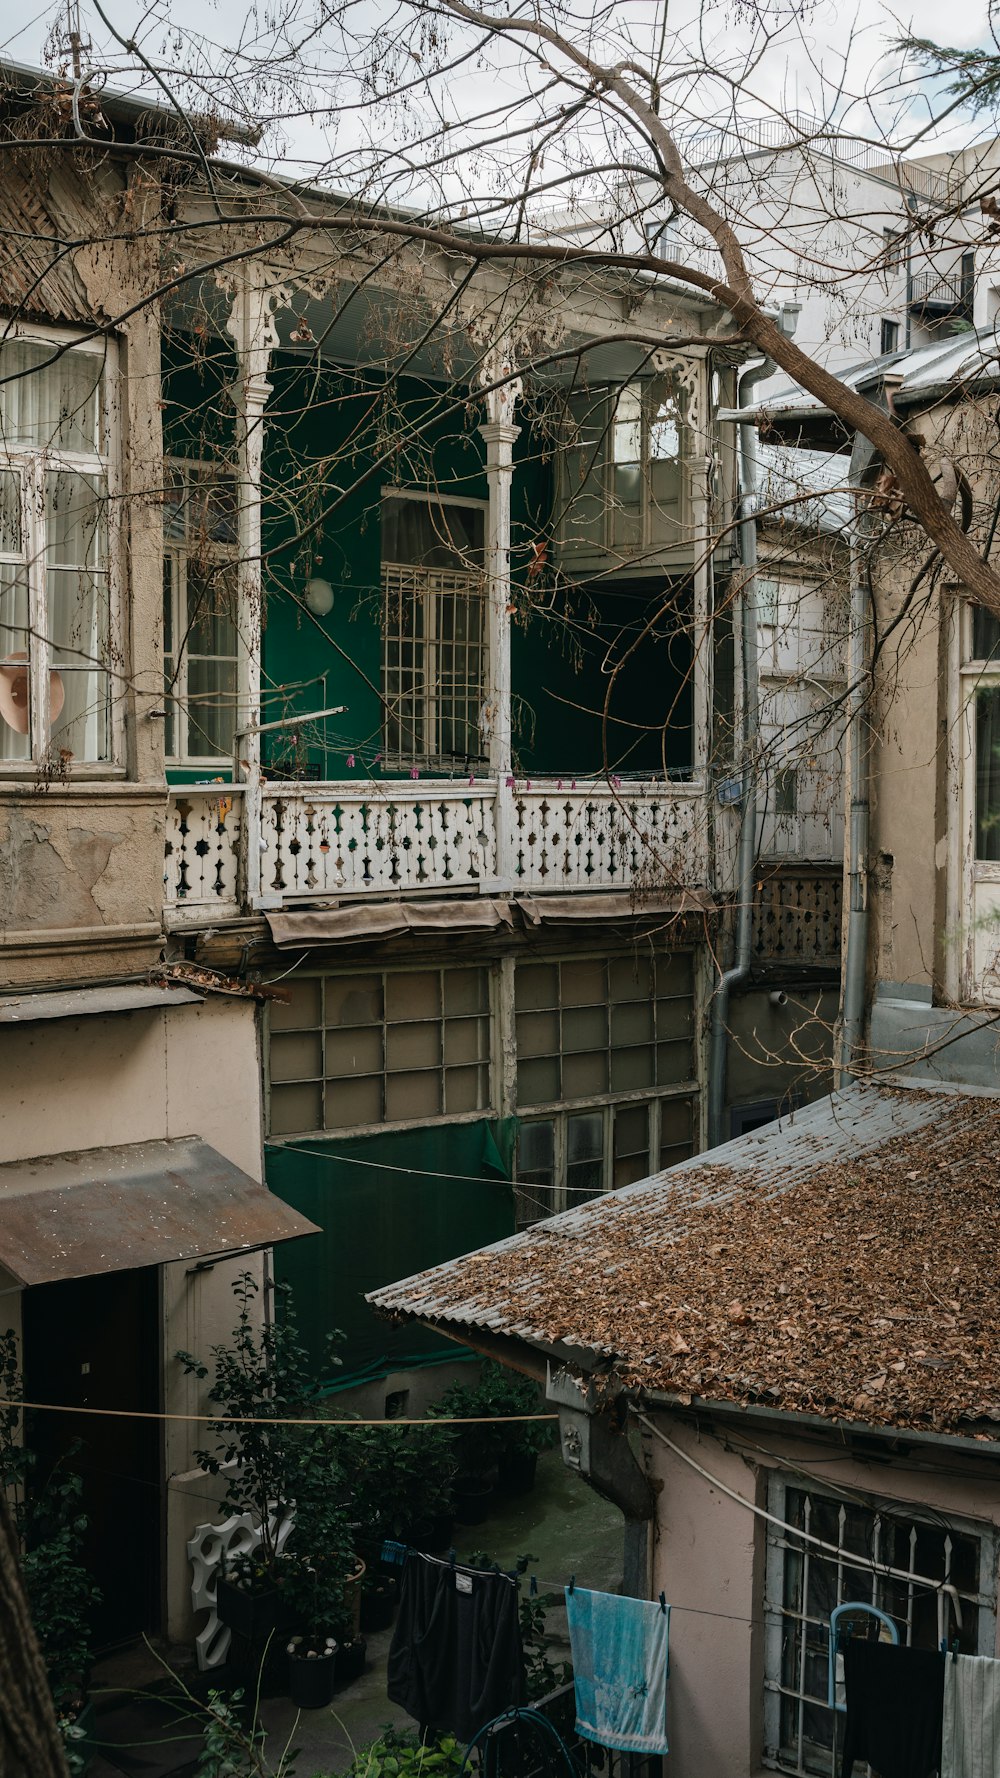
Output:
x,y
351,1160
220,1417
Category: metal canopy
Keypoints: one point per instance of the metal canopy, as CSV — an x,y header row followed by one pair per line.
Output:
x,y
141,1204
77,1003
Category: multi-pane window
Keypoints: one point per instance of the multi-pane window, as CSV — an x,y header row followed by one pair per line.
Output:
x,y
805,1584
621,468
56,644
200,586
618,1031
433,631
398,1046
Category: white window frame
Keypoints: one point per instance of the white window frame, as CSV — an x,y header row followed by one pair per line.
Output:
x,y
775,1612
33,463
601,411
973,976
394,758
177,553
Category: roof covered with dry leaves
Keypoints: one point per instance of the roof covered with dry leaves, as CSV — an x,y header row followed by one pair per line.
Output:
x,y
844,1263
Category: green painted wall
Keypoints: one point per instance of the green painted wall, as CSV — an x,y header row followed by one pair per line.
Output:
x,y
386,1212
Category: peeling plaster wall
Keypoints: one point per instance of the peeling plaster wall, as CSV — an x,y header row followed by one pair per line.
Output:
x,y
136,1077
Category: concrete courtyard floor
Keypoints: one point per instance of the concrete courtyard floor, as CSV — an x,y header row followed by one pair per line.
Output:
x,y
566,1529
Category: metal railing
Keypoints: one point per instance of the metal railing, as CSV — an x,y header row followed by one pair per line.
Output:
x,y
929,289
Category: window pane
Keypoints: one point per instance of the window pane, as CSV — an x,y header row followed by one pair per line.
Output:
x,y
15,699
301,1011
466,990
674,1063
985,634
584,1075
296,1108
354,1101
10,513
631,1069
466,1040
211,707
412,1095
466,1089
675,973
211,608
585,1028
535,985
632,1023
296,1056
631,1145
631,978
76,515
538,1034
538,1082
988,773
584,984
354,1051
676,1131
584,1156
535,1172
413,1046
353,999
673,1018
48,401
415,996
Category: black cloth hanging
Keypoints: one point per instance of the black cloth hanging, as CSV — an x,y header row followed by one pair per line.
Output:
x,y
456,1659
895,1706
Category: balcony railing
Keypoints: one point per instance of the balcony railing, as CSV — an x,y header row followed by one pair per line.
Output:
x,y
927,290
797,915
326,841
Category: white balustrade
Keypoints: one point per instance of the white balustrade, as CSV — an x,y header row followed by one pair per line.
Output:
x,y
321,841
201,861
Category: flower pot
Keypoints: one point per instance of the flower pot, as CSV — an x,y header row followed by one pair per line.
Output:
x,y
350,1661
83,1736
311,1679
252,1615
473,1498
517,1472
378,1607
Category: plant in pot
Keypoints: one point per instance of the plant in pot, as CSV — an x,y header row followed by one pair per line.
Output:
x,y
504,1393
379,1597
315,1592
477,1450
273,1471
50,1525
400,1481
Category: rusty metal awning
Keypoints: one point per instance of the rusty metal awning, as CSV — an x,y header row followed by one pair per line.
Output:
x,y
140,1204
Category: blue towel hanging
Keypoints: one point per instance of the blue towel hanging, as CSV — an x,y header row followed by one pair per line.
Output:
x,y
620,1664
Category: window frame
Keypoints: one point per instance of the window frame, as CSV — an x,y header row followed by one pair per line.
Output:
x,y
395,758
423,1121
32,463
177,554
780,1545
600,416
974,883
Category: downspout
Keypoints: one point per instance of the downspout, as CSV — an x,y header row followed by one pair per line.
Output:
x,y
746,856
856,947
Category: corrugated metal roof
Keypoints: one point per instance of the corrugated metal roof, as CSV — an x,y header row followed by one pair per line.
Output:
x,y
758,1272
139,1204
78,1003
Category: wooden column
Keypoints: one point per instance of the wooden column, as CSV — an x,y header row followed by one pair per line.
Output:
x,y
500,434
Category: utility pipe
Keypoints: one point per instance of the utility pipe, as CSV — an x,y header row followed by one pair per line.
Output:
x,y
856,950
746,857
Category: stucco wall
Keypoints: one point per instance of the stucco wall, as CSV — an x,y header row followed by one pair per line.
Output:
x,y
709,1558
134,1077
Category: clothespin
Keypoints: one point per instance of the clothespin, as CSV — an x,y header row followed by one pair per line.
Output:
x,y
954,1650
452,1557
533,1586
572,1583
663,1603
944,1645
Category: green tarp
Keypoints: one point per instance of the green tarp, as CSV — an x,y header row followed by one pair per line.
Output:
x,y
386,1210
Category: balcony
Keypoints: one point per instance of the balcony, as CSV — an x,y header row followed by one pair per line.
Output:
x,y
324,842
936,297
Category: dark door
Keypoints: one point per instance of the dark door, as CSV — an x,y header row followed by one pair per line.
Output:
x,y
94,1342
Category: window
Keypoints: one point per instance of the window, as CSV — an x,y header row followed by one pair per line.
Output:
x,y
889,341
804,1585
200,586
893,255
55,585
621,468
433,631
600,1029
349,1051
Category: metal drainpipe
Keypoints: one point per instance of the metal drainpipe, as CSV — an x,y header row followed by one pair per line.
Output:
x,y
719,1035
856,953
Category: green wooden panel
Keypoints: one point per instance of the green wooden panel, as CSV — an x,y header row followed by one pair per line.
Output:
x,y
386,1212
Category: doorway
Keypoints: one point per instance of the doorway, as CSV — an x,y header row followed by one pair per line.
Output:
x,y
94,1343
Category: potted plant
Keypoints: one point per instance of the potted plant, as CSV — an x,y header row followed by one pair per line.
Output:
x,y
50,1525
477,1450
351,1657
400,1479
503,1392
312,1662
